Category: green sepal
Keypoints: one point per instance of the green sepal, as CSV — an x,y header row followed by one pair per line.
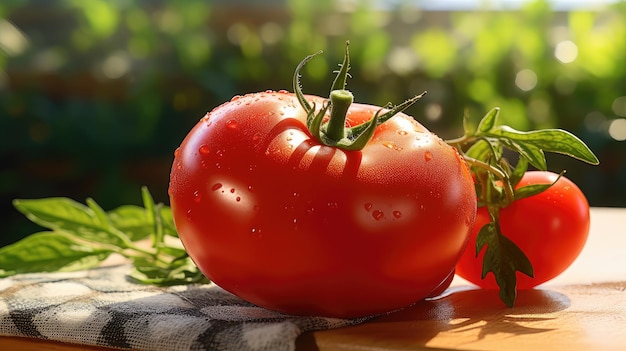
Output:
x,y
534,189
330,133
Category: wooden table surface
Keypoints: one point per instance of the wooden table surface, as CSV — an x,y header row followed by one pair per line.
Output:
x,y
583,309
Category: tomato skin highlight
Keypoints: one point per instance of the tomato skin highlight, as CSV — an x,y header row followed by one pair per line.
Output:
x,y
276,218
551,228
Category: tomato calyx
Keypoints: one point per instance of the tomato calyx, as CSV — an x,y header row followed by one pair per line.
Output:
x,y
332,131
496,180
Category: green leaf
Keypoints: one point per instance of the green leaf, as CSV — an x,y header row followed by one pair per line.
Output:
x,y
182,271
83,236
57,213
168,222
551,140
485,149
468,126
503,258
488,122
154,214
533,189
485,235
173,251
63,214
49,252
530,152
132,220
520,169
100,215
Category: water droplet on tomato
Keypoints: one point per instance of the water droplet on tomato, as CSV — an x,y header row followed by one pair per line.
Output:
x,y
428,156
177,152
196,196
391,145
203,164
204,150
250,188
378,215
256,231
216,186
402,132
232,190
332,205
283,91
368,206
219,153
235,98
188,214
397,214
238,198
232,124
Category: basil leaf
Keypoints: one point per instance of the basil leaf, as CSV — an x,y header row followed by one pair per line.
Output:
x,y
182,271
167,219
67,215
551,140
49,252
57,213
154,213
132,220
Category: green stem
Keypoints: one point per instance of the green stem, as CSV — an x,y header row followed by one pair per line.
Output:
x,y
506,183
340,101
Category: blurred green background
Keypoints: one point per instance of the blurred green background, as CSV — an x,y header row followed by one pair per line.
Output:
x,y
95,95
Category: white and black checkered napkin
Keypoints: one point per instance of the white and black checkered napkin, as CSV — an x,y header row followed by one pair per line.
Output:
x,y
102,307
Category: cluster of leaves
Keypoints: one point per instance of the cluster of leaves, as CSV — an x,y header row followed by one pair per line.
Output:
x,y
483,148
83,236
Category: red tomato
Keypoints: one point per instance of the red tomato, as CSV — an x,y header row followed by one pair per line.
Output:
x,y
284,222
551,228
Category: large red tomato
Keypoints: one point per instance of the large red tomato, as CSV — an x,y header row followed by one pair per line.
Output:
x,y
551,228
272,215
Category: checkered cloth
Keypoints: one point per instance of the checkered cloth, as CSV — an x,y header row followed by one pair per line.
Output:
x,y
102,307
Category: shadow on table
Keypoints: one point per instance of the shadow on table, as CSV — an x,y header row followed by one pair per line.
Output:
x,y
464,314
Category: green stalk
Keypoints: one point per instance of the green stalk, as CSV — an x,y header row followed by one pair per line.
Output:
x,y
334,132
340,101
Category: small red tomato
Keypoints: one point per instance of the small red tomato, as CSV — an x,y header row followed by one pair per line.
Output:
x,y
551,228
274,216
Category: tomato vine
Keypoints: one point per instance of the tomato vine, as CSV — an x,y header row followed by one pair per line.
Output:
x,y
483,149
